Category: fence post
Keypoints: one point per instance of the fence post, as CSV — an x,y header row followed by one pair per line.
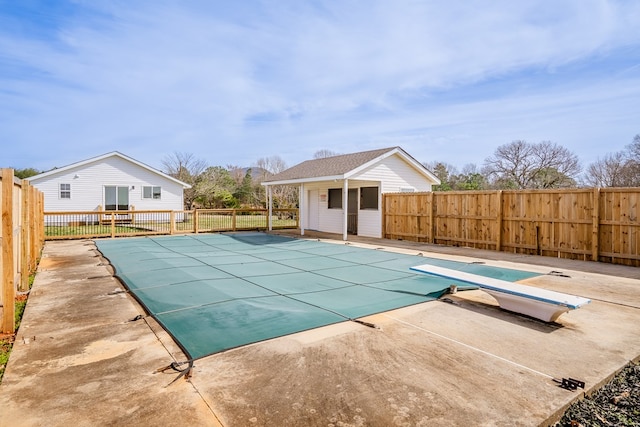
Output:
x,y
233,220
499,222
6,256
172,222
25,237
40,221
113,225
432,225
195,221
31,212
595,229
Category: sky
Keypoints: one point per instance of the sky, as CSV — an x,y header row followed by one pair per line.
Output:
x,y
235,81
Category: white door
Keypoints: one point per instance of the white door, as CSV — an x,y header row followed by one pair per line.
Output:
x,y
313,211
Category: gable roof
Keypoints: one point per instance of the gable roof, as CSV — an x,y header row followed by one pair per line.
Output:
x,y
343,166
106,156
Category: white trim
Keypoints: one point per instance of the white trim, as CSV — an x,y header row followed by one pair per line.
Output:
x,y
302,180
106,156
406,157
345,208
301,211
270,210
350,174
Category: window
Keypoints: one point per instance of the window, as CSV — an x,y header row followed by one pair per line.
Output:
x,y
151,192
335,198
369,198
65,191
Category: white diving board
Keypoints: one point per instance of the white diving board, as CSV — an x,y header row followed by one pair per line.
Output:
x,y
540,303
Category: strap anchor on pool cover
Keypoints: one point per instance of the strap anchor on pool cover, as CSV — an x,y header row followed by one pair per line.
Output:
x,y
186,372
570,384
369,324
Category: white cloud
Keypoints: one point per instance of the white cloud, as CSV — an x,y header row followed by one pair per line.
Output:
x,y
232,83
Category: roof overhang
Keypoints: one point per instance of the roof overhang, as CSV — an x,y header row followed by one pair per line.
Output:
x,y
303,180
353,173
106,156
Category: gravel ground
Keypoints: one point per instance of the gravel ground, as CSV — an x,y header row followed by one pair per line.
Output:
x,y
615,404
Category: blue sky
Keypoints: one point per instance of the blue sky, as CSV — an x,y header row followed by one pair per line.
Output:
x,y
234,81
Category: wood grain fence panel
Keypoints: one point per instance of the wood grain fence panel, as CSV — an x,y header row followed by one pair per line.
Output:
x,y
583,224
20,247
6,253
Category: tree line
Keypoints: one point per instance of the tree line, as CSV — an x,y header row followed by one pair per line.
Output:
x,y
516,165
523,165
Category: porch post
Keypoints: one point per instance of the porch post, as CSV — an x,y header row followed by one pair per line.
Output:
x,y
345,207
302,203
269,207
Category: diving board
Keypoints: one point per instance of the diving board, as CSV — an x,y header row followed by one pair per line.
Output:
x,y
540,303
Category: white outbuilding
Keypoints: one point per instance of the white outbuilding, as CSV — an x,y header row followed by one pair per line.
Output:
x,y
355,181
110,182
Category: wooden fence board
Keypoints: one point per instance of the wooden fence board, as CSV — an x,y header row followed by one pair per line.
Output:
x,y
586,224
21,222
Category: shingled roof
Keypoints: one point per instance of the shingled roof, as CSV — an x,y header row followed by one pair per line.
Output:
x,y
336,167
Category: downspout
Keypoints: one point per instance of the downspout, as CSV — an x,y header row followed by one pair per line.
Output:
x,y
302,204
345,207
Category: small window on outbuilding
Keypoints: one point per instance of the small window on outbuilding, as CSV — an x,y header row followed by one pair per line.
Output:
x,y
65,191
369,198
335,198
149,192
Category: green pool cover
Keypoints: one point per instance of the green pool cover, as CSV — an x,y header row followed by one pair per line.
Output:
x,y
213,292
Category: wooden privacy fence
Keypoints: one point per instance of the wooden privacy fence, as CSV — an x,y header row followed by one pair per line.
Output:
x,y
586,224
90,224
21,232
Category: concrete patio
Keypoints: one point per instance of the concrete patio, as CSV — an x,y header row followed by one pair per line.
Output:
x,y
80,359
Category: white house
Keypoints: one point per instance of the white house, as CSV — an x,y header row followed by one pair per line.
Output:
x,y
356,181
109,182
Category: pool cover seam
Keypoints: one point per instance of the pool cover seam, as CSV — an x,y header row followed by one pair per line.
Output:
x,y
271,290
248,279
183,244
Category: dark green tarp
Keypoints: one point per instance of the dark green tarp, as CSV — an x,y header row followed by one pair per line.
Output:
x,y
213,292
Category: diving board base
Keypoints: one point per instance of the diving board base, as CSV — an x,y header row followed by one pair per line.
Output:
x,y
533,308
535,302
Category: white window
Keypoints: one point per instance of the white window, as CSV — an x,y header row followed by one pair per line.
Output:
x,y
151,192
65,191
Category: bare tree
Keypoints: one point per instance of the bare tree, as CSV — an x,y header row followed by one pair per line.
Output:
x,y
608,172
272,165
183,166
634,148
521,165
620,169
324,153
187,168
284,196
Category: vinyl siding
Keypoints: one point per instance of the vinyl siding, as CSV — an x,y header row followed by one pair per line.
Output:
x,y
331,220
390,175
394,174
87,190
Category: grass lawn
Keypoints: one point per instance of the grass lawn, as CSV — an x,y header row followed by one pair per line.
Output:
x,y
84,230
206,222
6,340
